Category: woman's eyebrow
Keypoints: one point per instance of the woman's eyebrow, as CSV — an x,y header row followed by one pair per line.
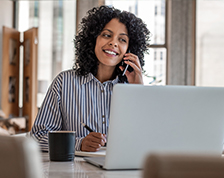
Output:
x,y
107,30
112,32
124,34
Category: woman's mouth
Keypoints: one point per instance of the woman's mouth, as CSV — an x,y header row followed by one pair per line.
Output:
x,y
110,52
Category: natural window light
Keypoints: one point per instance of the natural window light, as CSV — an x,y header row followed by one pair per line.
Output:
x,y
210,42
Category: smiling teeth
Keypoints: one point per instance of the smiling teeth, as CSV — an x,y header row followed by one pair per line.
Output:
x,y
110,52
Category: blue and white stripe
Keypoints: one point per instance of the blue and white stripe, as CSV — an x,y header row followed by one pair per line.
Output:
x,y
70,100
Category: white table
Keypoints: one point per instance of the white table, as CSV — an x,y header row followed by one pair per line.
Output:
x,y
79,168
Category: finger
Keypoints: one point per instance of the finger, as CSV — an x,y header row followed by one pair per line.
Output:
x,y
102,142
99,135
105,136
102,137
133,58
136,68
94,139
88,145
93,145
97,138
105,139
90,148
133,64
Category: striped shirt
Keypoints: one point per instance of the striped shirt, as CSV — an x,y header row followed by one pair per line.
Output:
x,y
70,100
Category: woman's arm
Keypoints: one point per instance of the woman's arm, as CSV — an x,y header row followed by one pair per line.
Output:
x,y
49,118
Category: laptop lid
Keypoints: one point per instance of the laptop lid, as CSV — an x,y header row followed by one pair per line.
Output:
x,y
167,119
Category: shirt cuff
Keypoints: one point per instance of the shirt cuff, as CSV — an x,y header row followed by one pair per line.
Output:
x,y
78,143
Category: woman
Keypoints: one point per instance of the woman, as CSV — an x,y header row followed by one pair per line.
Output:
x,y
83,94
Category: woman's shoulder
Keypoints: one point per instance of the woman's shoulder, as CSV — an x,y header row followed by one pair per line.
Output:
x,y
70,72
69,76
64,75
63,78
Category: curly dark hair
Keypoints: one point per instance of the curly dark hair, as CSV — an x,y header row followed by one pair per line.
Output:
x,y
92,25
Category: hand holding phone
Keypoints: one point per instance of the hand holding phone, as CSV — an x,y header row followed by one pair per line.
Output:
x,y
135,73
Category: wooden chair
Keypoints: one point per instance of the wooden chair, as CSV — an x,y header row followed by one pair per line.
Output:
x,y
183,166
19,157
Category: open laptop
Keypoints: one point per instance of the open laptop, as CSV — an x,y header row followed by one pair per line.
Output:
x,y
162,119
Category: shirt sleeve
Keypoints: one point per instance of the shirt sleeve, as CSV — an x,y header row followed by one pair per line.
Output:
x,y
49,118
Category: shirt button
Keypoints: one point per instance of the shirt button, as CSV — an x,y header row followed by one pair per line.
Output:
x,y
103,116
102,91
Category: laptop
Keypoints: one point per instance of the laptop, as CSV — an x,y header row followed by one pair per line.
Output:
x,y
162,119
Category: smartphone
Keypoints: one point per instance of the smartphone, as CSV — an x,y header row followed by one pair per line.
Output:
x,y
126,66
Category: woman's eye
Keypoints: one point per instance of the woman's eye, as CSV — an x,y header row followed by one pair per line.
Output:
x,y
123,40
106,35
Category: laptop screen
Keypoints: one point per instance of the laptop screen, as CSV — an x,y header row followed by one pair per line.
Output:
x,y
167,119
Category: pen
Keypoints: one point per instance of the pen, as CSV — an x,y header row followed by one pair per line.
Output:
x,y
87,127
125,69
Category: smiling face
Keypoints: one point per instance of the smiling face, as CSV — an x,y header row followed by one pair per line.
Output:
x,y
112,44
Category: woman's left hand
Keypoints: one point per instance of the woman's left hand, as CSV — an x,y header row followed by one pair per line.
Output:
x,y
135,76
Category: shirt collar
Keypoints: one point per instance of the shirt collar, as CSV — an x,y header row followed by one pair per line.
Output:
x,y
86,79
91,77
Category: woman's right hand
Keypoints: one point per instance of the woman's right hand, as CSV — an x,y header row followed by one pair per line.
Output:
x,y
93,142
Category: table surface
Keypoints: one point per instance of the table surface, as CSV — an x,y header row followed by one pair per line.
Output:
x,y
79,168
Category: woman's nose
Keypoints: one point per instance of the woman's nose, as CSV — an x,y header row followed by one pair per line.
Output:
x,y
113,43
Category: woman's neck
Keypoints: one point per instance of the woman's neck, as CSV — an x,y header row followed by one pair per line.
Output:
x,y
105,74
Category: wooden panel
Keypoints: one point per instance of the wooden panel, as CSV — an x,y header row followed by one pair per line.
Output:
x,y
30,75
82,6
10,72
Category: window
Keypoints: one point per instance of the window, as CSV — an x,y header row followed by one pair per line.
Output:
x,y
209,43
155,10
56,30
148,11
161,55
163,9
36,4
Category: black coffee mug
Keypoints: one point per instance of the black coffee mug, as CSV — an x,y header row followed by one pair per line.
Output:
x,y
61,145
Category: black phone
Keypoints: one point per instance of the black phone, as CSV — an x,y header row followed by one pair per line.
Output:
x,y
126,67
